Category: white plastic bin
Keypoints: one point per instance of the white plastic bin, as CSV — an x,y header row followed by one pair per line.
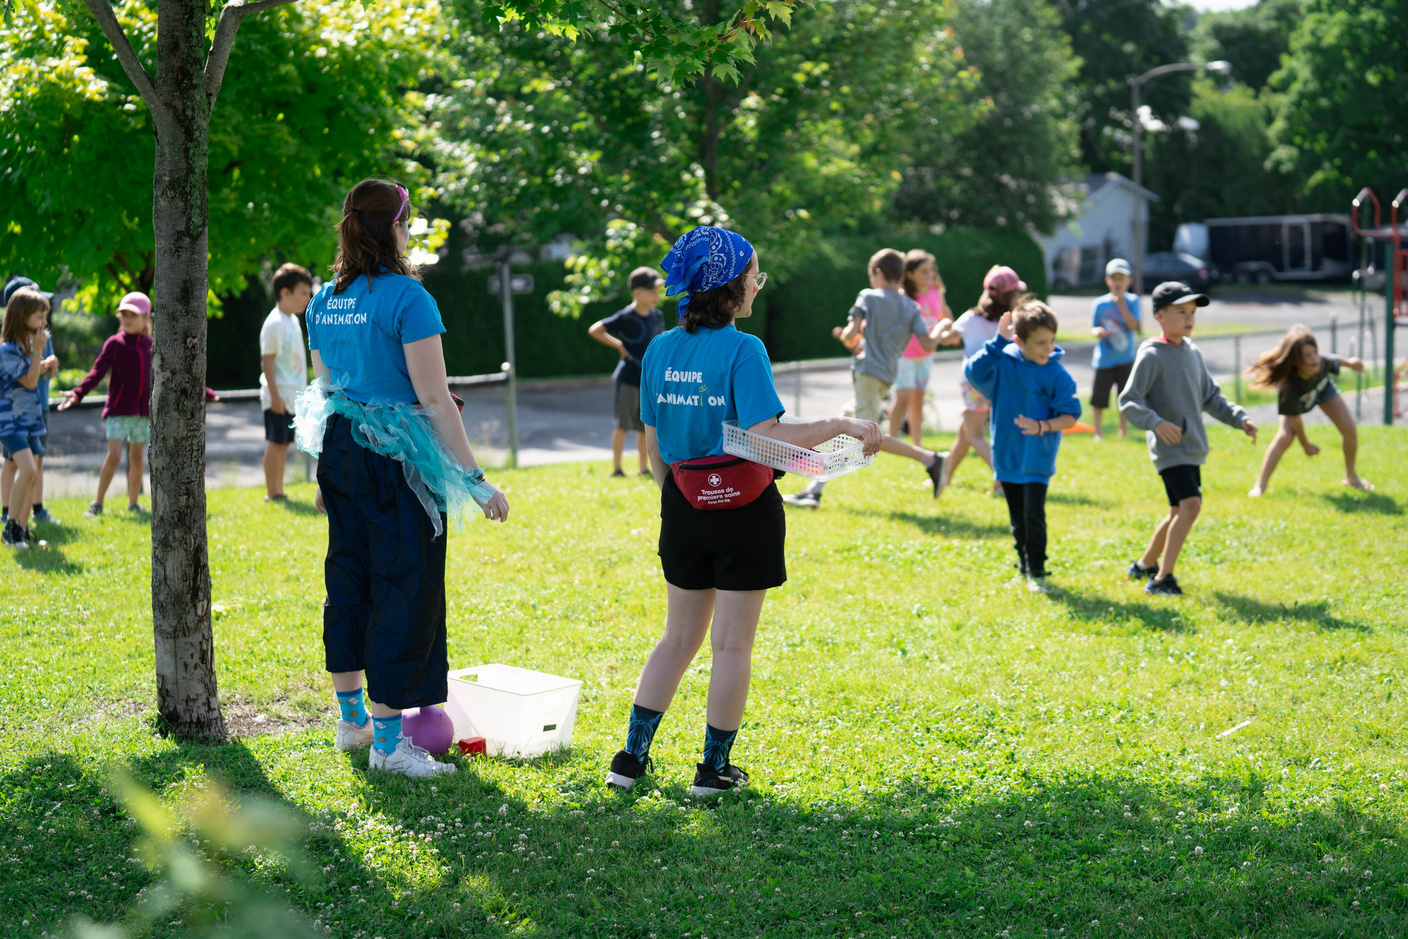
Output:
x,y
518,712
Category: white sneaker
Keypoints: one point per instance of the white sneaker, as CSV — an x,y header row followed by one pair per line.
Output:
x,y
409,760
352,737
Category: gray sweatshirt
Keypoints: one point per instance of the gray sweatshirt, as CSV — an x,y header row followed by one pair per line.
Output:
x,y
1171,383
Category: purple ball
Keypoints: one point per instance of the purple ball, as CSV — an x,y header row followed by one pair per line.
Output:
x,y
429,728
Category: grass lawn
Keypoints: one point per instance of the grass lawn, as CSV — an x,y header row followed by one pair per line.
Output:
x,y
933,753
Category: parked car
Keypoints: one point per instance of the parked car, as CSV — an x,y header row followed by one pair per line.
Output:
x,y
1176,265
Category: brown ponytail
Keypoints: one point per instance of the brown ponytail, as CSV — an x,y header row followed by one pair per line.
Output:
x,y
366,236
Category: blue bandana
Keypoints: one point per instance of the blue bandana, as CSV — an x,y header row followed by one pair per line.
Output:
x,y
703,259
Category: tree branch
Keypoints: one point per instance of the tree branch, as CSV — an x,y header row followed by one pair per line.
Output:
x,y
230,18
126,56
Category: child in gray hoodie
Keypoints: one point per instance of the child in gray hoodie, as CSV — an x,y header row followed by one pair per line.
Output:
x,y
1165,396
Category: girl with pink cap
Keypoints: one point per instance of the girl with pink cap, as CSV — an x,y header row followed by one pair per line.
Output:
x,y
126,360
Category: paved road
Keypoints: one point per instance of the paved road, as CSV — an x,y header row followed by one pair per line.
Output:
x,y
570,420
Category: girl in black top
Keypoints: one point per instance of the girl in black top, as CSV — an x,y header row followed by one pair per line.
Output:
x,y
1304,380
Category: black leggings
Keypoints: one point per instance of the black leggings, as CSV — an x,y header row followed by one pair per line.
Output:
x,y
1026,507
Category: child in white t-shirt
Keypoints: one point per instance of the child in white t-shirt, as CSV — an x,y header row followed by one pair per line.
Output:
x,y
283,362
1001,287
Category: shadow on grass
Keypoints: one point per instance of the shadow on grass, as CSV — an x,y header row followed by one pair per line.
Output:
x,y
1074,498
298,508
1034,850
1375,502
949,526
1096,608
48,560
1257,611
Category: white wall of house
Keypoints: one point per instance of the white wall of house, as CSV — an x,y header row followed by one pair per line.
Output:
x,y
1102,228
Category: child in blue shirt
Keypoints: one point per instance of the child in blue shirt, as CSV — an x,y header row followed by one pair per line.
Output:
x,y
1114,320
1033,399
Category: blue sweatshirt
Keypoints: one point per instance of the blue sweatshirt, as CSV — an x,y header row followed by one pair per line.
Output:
x,y
1016,386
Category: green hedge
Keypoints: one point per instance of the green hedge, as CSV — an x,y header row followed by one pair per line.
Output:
x,y
793,316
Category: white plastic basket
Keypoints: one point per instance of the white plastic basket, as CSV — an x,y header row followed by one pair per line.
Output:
x,y
518,712
835,457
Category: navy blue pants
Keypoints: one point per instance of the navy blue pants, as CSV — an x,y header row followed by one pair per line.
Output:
x,y
385,574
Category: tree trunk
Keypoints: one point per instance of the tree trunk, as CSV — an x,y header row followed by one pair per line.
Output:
x,y
185,656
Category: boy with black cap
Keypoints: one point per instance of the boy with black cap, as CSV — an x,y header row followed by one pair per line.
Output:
x,y
1166,395
629,331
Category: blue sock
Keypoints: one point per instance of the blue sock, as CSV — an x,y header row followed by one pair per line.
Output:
x,y
354,710
717,746
387,733
641,732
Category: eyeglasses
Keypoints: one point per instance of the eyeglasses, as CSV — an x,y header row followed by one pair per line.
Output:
x,y
759,280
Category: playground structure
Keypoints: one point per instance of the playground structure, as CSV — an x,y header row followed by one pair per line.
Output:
x,y
1395,292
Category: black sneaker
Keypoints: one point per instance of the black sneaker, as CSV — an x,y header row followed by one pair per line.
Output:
x,y
1138,571
95,509
13,536
1163,586
936,472
803,499
618,474
710,782
625,767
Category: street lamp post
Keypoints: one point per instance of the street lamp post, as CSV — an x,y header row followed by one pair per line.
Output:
x,y
1220,67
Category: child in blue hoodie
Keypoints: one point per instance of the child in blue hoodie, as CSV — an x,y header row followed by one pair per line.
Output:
x,y
1033,399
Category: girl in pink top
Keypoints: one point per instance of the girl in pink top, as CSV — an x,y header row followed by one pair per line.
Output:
x,y
925,287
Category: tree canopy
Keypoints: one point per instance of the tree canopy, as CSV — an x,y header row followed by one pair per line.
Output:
x,y
1003,166
1343,115
318,96
543,136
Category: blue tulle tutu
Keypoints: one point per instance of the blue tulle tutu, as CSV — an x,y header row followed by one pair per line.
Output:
x,y
402,432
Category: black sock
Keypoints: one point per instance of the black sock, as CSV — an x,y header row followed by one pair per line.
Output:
x,y
640,732
718,744
36,507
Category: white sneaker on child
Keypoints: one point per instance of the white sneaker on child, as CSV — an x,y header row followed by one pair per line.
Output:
x,y
350,736
409,760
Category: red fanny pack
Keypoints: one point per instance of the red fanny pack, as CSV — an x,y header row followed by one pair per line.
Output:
x,y
721,482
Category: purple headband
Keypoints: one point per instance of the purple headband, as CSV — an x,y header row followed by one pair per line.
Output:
x,y
405,198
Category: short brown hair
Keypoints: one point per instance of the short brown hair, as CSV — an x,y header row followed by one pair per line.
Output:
x,y
889,262
23,304
1030,314
289,276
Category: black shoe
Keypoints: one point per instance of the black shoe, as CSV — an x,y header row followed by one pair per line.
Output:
x,y
618,474
625,767
710,782
936,472
13,536
1163,586
904,427
1138,571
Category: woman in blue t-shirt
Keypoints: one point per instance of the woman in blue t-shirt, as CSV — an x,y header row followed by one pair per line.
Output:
x,y
718,563
393,464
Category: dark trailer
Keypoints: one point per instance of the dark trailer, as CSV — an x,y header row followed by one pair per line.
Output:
x,y
1264,248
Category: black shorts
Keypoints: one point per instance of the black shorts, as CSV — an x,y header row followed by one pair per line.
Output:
x,y
278,428
1106,378
728,549
1184,481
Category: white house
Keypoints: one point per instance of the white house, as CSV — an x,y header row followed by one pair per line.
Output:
x,y
1100,228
